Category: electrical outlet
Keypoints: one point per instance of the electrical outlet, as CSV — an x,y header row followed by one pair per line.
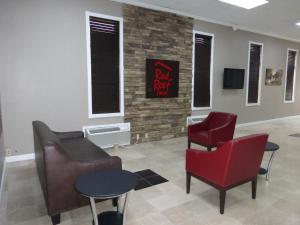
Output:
x,y
146,135
182,129
8,152
137,137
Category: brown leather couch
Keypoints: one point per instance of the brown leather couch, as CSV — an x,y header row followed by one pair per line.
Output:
x,y
60,158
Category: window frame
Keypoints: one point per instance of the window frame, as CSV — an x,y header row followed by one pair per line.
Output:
x,y
259,76
211,68
295,74
89,66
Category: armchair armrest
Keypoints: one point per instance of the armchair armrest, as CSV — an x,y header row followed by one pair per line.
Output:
x,y
203,125
69,134
221,134
207,165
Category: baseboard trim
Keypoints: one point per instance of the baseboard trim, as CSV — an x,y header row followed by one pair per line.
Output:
x,y
2,181
17,158
267,121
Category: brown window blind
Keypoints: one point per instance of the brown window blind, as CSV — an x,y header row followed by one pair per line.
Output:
x,y
254,70
105,71
202,62
291,63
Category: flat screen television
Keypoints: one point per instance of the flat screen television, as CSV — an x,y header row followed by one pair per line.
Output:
x,y
233,78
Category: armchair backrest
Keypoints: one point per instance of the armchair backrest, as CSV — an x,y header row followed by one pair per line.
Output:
x,y
218,119
244,156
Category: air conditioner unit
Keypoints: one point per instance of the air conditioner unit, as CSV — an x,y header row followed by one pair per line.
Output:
x,y
195,119
108,135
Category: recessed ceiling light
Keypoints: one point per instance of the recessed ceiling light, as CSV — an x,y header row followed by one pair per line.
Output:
x,y
247,4
298,24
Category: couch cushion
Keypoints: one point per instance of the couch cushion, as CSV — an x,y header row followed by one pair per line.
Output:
x,y
69,134
83,150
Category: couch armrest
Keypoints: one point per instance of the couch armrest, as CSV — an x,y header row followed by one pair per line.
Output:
x,y
61,173
69,134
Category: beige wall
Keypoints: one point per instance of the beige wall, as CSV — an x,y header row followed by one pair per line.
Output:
x,y
43,68
2,152
231,51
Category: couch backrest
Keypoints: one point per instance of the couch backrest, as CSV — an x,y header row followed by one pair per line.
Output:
x,y
45,134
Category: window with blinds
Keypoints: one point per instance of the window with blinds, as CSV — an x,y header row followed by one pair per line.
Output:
x,y
105,70
254,74
290,75
202,81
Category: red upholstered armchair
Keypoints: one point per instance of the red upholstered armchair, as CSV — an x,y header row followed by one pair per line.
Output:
x,y
234,163
216,127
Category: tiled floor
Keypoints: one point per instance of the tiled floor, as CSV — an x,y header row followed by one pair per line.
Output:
x,y
277,203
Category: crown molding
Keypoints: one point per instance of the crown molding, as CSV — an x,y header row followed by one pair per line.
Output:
x,y
205,19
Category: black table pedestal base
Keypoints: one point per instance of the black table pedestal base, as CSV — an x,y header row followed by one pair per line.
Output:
x,y
110,218
270,147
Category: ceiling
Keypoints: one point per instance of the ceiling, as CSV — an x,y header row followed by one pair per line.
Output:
x,y
277,18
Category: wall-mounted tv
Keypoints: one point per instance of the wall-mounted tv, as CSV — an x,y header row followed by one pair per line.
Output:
x,y
233,78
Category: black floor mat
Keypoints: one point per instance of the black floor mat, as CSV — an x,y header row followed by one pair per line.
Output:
x,y
148,178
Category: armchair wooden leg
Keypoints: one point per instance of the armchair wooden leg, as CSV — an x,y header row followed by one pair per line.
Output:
x,y
254,184
189,144
222,200
188,182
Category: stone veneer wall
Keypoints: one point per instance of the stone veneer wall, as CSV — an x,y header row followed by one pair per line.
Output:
x,y
158,35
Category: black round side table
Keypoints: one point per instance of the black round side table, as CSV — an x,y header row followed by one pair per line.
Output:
x,y
270,147
106,185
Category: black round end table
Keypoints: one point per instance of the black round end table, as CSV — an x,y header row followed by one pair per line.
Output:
x,y
107,185
270,147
